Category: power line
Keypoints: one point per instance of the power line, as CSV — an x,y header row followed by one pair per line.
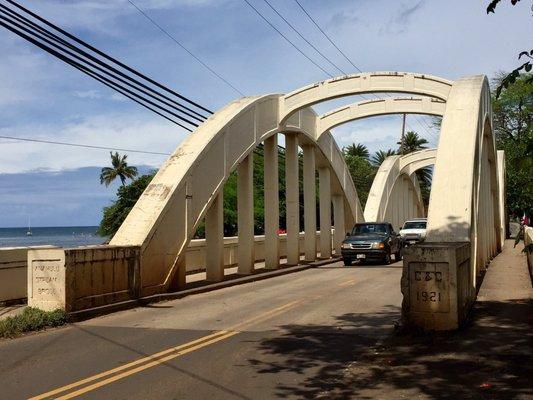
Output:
x,y
303,37
326,35
107,57
286,39
184,48
133,96
81,145
337,47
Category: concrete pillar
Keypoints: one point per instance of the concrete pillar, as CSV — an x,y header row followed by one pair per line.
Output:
x,y
309,203
271,202
324,178
214,237
179,279
501,195
292,198
245,215
338,218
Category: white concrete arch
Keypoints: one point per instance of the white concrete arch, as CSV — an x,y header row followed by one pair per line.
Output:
x,y
412,162
371,108
188,188
464,200
395,193
375,82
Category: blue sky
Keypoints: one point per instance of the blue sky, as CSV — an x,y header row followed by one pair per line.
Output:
x,y
40,97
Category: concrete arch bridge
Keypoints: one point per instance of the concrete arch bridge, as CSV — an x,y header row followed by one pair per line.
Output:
x,y
466,197
153,249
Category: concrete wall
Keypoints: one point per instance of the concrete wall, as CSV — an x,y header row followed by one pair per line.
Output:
x,y
195,255
14,266
13,272
528,239
87,277
82,278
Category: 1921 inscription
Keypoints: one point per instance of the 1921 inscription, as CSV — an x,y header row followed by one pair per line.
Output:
x,y
429,287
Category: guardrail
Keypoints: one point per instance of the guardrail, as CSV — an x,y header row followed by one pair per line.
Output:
x,y
96,268
13,272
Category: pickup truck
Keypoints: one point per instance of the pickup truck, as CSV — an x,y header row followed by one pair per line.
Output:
x,y
371,241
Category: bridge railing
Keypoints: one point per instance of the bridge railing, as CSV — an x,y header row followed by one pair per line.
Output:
x,y
87,277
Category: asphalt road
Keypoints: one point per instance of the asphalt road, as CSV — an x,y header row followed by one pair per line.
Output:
x,y
286,337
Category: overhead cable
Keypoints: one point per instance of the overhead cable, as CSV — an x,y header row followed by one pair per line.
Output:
x,y
171,37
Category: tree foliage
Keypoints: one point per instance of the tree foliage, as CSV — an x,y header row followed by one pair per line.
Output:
x,y
526,67
119,169
127,196
513,117
356,150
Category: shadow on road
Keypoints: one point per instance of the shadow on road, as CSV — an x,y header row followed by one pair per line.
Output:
x,y
489,359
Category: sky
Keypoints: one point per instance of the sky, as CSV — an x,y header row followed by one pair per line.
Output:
x,y
43,98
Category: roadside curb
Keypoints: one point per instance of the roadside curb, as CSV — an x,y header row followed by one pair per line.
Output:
x,y
77,316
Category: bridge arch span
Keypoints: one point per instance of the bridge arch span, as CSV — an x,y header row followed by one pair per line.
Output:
x,y
375,82
395,193
188,188
470,211
376,107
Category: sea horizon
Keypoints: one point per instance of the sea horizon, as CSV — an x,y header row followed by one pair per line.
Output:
x,y
61,236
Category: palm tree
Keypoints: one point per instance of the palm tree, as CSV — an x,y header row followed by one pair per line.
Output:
x,y
380,156
356,150
120,168
411,143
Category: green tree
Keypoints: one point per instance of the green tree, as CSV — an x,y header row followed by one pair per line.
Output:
x,y
412,142
363,173
127,196
525,67
512,123
119,169
356,150
380,156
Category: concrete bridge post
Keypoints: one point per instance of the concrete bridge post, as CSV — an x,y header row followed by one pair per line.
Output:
x,y
309,202
339,221
271,171
324,178
214,238
292,198
245,215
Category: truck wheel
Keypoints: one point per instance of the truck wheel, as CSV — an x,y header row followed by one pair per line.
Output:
x,y
386,259
347,262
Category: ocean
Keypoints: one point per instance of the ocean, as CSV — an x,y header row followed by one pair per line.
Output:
x,y
62,236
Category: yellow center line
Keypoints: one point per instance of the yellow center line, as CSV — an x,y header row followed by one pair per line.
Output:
x,y
128,365
142,367
162,356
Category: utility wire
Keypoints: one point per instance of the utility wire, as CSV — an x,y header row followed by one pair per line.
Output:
x,y
326,35
303,38
185,48
286,39
106,56
94,75
81,145
337,47
25,21
35,35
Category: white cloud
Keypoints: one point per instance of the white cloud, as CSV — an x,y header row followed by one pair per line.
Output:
x,y
88,94
109,130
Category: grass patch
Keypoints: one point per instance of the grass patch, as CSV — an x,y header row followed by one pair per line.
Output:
x,y
31,319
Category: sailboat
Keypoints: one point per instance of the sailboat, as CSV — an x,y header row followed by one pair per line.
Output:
x,y
28,233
